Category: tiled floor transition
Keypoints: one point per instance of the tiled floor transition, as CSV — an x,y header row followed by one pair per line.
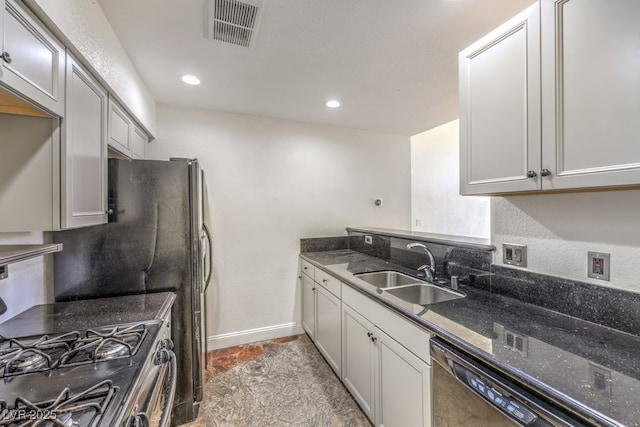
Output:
x,y
282,382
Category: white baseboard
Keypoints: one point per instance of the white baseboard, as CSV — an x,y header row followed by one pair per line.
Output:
x,y
231,339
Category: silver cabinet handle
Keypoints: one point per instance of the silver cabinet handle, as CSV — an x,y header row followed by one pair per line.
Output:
x,y
6,57
531,174
545,172
324,280
369,334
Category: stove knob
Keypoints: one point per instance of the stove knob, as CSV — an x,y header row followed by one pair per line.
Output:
x,y
167,343
161,357
140,420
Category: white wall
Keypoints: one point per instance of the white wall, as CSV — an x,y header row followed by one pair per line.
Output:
x,y
559,230
85,27
436,205
26,285
271,182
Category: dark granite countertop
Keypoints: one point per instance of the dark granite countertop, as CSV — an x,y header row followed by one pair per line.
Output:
x,y
561,355
92,313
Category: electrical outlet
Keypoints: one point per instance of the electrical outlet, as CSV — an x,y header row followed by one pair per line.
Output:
x,y
600,379
598,264
368,240
514,254
516,342
418,222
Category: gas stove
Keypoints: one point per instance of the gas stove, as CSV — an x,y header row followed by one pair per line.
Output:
x,y
84,378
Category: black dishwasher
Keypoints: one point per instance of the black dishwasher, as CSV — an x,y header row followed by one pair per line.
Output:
x,y
467,393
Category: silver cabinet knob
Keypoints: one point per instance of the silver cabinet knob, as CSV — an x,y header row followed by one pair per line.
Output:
x,y
6,57
545,172
531,174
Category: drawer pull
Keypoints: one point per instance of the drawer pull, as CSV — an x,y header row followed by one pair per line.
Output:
x,y
6,57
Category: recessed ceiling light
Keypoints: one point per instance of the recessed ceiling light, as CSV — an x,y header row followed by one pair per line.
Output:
x,y
190,79
332,103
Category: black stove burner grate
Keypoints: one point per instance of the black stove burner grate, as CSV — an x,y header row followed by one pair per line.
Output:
x,y
42,355
115,343
80,409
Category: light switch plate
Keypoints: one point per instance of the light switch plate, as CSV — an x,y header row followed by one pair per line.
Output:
x,y
598,265
514,254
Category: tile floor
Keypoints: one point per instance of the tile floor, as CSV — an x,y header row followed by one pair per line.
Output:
x,y
281,382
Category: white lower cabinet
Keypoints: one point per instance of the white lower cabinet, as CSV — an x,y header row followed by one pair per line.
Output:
x,y
328,331
404,385
321,317
391,384
308,305
381,358
358,355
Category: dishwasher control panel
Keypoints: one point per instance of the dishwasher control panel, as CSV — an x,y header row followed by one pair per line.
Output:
x,y
506,404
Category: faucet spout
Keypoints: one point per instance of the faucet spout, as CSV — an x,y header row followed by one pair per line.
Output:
x,y
429,270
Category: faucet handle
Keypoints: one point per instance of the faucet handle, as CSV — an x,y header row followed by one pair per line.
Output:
x,y
428,271
454,283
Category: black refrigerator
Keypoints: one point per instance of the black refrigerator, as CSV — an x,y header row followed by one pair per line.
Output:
x,y
155,241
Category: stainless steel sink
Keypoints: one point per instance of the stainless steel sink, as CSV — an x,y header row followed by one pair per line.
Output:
x,y
387,279
423,294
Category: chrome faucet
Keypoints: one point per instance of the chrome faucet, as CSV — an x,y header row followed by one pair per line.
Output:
x,y
429,270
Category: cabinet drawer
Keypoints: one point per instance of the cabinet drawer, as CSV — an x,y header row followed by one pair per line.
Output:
x,y
328,282
307,268
413,338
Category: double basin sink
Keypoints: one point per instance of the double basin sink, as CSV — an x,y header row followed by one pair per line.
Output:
x,y
407,288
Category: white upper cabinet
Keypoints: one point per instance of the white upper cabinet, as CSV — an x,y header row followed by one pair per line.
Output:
x,y
84,150
139,142
500,108
590,92
119,125
124,136
549,100
33,61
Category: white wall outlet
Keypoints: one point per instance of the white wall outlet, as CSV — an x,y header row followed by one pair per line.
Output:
x,y
514,254
368,240
418,222
598,264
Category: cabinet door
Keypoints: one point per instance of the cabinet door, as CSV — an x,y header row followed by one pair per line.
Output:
x,y
359,359
500,109
35,69
119,137
404,386
328,331
138,143
590,92
308,306
83,150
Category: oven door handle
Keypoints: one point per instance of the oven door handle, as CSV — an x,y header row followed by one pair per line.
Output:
x,y
169,356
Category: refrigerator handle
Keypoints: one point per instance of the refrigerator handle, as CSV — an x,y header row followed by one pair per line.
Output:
x,y
210,255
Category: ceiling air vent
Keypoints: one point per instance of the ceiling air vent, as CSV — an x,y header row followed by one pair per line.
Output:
x,y
233,21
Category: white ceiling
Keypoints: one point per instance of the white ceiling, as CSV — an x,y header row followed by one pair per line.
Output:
x,y
392,63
